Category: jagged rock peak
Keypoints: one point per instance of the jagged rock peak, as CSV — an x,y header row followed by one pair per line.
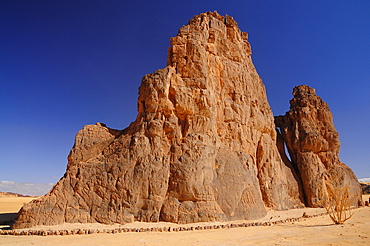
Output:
x,y
305,96
208,32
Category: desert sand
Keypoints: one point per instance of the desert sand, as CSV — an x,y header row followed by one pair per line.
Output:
x,y
311,231
13,204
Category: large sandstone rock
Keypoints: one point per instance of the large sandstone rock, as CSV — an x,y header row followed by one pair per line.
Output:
x,y
202,148
313,145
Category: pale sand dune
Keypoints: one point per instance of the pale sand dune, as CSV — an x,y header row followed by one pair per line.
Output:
x,y
13,204
313,231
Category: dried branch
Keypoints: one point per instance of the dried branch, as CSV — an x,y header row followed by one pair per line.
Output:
x,y
338,204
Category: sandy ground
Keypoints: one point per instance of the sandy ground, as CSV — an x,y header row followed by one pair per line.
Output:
x,y
313,231
13,204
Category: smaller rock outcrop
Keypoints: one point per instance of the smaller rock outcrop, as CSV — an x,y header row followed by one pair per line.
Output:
x,y
313,145
365,188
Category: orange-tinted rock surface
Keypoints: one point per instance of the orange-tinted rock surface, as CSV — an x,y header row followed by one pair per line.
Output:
x,y
202,148
313,144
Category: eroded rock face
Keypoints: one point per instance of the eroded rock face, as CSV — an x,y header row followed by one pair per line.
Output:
x,y
313,144
202,148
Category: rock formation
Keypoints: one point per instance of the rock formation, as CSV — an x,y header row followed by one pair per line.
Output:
x,y
365,186
202,148
313,145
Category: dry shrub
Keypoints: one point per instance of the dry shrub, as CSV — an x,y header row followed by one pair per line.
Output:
x,y
338,203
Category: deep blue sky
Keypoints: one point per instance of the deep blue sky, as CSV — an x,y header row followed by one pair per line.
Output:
x,y
68,63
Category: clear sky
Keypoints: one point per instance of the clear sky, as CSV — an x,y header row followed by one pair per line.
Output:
x,y
66,63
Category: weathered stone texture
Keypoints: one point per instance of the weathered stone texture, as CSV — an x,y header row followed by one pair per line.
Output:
x,y
313,144
202,148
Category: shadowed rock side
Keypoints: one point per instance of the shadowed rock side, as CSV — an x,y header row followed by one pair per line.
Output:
x,y
365,186
202,148
313,145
